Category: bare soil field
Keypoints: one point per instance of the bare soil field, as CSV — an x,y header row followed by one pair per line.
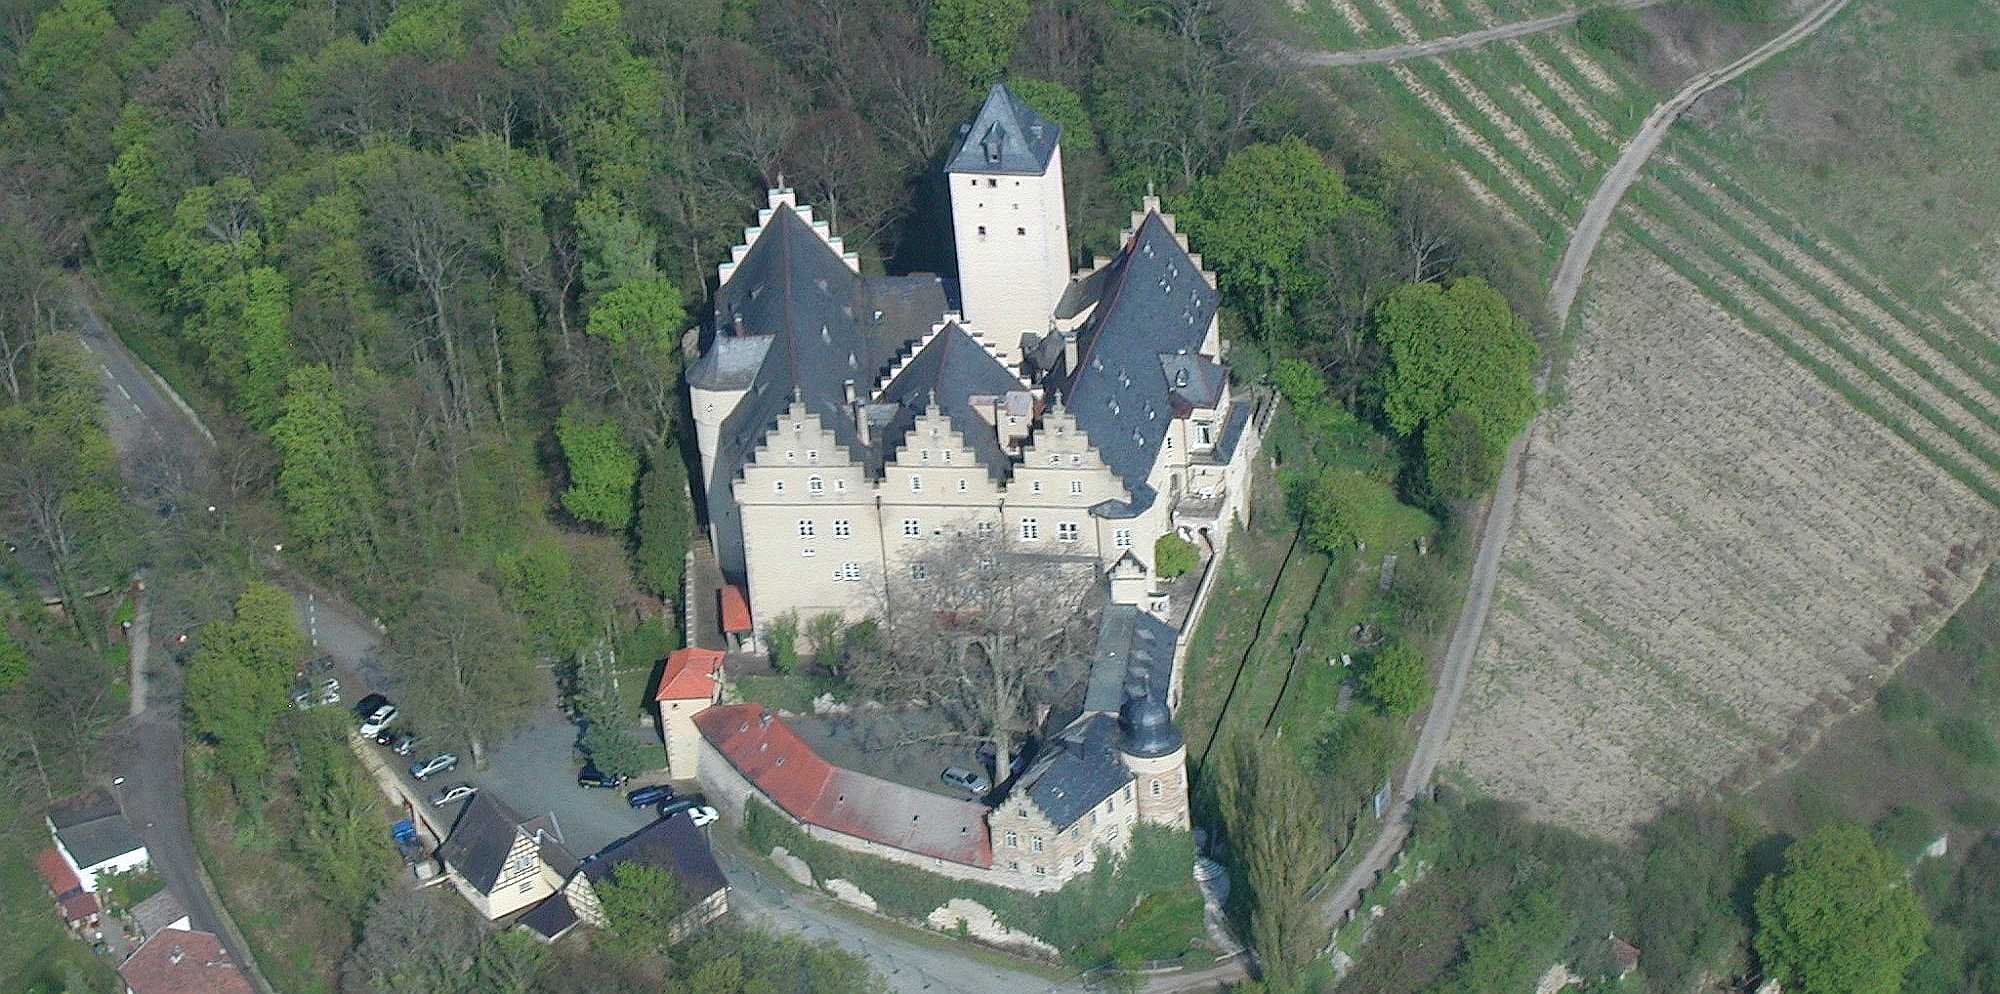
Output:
x,y
1714,556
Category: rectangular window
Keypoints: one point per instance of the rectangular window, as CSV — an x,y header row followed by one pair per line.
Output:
x,y
986,529
947,455
1014,864
1035,843
1076,488
807,552
815,486
911,529
849,572
1066,531
1156,787
1076,860
919,571
842,528
1020,231
1013,840
1041,871
1121,537
1031,530
777,486
961,486
1035,487
916,484
805,528
982,231
926,455
812,455
1205,433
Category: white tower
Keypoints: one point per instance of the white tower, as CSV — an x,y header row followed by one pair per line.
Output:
x,y
1008,221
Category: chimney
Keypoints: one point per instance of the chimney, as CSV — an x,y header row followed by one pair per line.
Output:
x,y
848,388
736,324
861,424
175,955
1069,352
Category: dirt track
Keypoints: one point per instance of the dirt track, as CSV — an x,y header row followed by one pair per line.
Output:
x,y
1451,43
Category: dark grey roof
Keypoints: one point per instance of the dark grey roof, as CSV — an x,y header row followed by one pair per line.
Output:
x,y
1156,302
1128,639
951,369
157,912
484,834
93,830
826,325
550,919
1194,381
731,362
1006,136
673,844
1076,771
1232,433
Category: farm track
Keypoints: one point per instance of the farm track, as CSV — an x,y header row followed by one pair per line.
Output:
x,y
1414,47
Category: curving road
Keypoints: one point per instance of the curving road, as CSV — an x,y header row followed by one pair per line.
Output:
x,y
1500,512
1450,43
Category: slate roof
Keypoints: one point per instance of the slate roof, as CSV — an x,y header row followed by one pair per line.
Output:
x,y
1194,381
484,834
1007,136
689,675
551,919
769,754
157,912
93,830
824,324
1077,770
180,961
950,370
1156,303
673,844
1128,639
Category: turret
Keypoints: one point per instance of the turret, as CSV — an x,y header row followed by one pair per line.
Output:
x,y
1152,748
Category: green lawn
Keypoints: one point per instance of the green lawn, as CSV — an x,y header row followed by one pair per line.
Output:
x,y
36,952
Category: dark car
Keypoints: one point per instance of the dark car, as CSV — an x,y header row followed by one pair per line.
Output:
x,y
654,794
368,705
685,802
591,776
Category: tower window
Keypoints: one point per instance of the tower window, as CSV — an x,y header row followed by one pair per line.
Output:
x,y
1156,788
961,486
1020,231
992,182
805,528
842,528
1031,530
1121,538
982,231
1076,488
777,486
916,484
911,529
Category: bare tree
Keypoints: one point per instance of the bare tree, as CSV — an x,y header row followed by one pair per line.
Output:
x,y
462,661
987,635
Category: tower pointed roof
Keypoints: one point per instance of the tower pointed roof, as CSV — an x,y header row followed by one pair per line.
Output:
x,y
1006,136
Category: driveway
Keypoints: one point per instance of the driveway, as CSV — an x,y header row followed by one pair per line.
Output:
x,y
534,772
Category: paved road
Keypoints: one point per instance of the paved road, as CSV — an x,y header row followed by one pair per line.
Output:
x,y
1500,512
1450,43
155,441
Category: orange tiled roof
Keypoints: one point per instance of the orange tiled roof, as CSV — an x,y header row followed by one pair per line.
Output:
x,y
735,609
690,675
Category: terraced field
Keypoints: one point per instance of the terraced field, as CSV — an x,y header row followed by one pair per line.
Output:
x,y
1531,124
1774,467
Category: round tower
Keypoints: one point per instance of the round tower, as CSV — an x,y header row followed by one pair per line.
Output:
x,y
1152,747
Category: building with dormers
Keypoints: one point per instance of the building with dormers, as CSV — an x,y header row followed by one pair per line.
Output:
x,y
845,420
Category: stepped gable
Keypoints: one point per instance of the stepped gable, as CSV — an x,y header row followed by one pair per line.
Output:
x,y
819,324
1156,302
949,370
1007,136
771,755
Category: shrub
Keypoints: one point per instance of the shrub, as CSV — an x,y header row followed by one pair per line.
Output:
x,y
1977,813
783,637
1747,11
1399,679
1905,831
1970,739
1898,701
1174,555
1615,30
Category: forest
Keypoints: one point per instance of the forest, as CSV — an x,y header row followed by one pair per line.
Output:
x,y
430,271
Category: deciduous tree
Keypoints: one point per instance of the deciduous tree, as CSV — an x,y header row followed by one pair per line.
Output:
x,y
463,662
1252,220
1839,918
976,38
1280,847
1399,679
603,470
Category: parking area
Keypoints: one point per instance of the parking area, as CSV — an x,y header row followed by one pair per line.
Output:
x,y
534,772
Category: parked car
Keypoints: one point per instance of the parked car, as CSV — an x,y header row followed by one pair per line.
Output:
x,y
375,723
966,780
436,764
453,793
369,705
304,699
703,816
642,796
686,802
591,776
400,743
329,692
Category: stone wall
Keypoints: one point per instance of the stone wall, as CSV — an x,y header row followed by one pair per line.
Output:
x,y
980,923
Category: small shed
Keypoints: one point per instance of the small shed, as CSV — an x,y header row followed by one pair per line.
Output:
x,y
736,622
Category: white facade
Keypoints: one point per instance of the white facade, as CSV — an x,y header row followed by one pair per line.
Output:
x,y
1012,235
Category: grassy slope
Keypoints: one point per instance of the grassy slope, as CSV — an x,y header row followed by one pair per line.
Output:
x,y
34,948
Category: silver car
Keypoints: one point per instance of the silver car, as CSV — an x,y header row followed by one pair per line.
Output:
x,y
966,780
436,764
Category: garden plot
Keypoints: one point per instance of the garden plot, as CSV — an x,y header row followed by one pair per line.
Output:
x,y
1714,554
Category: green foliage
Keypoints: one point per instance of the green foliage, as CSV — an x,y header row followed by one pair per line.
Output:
x,y
1174,555
642,904
1279,846
1060,104
1839,917
13,659
1304,389
1398,679
67,42
603,470
1616,30
642,310
1510,952
337,836
1462,363
1253,219
781,637
1752,12
236,685
429,31
1898,700
666,520
1688,919
1156,862
1906,830
323,476
562,594
976,38
1977,813
1970,738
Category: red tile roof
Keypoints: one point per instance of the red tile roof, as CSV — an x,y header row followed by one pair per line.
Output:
x,y
79,906
56,873
735,609
772,756
689,676
179,961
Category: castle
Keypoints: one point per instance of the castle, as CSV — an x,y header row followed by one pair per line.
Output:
x,y
844,421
